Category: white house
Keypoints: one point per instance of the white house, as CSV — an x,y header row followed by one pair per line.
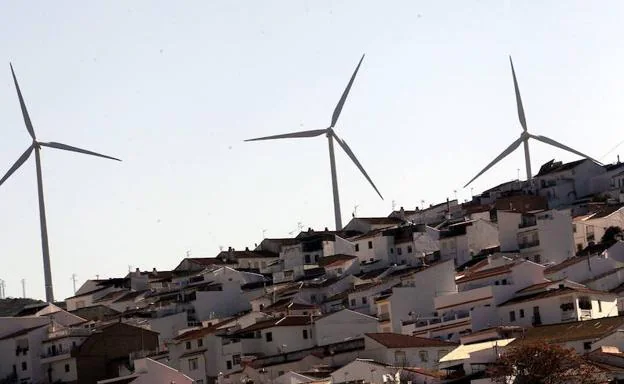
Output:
x,y
460,241
540,236
363,370
556,303
591,263
590,227
406,351
148,371
565,183
341,326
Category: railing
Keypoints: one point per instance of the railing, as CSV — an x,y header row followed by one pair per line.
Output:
x,y
69,332
421,323
528,223
57,352
586,314
529,244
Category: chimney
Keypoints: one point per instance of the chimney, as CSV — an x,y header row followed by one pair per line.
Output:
x,y
326,229
310,229
247,249
137,270
154,270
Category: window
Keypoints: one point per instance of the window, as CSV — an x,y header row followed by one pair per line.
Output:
x,y
585,303
587,345
228,364
188,345
504,282
193,364
200,343
353,302
236,359
24,366
497,282
512,316
307,258
364,300
579,247
424,356
305,334
573,228
280,373
66,368
316,258
400,358
370,245
409,249
522,313
599,306
391,251
313,298
268,336
399,251
357,247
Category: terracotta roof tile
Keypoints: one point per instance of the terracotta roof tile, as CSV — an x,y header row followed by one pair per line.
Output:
x,y
398,340
578,330
482,274
553,293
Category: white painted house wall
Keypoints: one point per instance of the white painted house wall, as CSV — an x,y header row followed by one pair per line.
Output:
x,y
343,325
229,301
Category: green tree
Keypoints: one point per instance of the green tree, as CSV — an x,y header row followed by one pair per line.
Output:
x,y
610,235
543,363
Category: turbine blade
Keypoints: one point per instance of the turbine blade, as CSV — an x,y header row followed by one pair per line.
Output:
x,y
22,159
343,98
557,144
27,121
75,149
313,133
518,98
357,163
498,158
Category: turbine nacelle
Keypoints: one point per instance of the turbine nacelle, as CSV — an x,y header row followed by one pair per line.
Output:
x,y
524,137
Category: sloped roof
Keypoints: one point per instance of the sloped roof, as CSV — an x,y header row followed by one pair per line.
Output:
x,y
287,321
553,293
574,331
398,340
557,166
482,274
329,260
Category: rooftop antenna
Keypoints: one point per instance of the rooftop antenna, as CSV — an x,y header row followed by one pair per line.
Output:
x,y
331,136
524,138
455,192
35,146
73,278
97,277
355,207
422,204
24,288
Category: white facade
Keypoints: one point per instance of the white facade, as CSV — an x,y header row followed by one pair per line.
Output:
x,y
219,303
427,357
460,244
341,326
590,228
544,237
148,371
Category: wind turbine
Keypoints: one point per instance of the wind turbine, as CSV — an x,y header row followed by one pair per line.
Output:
x,y
36,147
331,136
524,138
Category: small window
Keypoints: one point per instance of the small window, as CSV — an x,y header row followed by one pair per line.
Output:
x,y
280,373
353,302
313,298
228,364
599,306
364,300
268,336
573,228
504,282
370,245
24,366
522,313
193,364
497,282
66,368
587,345
236,359
424,356
316,258
512,316
399,251
200,343
307,258
357,247
409,249
188,345
391,251
305,334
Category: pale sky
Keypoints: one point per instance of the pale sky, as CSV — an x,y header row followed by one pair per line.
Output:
x,y
173,88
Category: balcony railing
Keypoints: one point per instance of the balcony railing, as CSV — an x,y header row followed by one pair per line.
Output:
x,y
427,322
528,223
529,244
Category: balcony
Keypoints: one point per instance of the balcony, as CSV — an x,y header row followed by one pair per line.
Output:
x,y
529,244
431,323
56,355
527,222
69,332
586,314
383,316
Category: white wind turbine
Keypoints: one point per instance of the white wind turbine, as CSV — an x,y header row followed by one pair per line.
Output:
x,y
331,136
524,138
36,147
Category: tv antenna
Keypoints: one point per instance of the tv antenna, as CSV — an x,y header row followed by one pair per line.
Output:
x,y
73,279
355,207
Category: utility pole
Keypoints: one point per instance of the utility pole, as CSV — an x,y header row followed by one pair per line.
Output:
x,y
24,288
2,287
73,278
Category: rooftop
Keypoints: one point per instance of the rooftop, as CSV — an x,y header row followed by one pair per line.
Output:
x,y
553,293
553,166
578,330
398,340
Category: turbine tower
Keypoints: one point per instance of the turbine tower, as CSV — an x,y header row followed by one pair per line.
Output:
x,y
524,138
331,136
36,147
